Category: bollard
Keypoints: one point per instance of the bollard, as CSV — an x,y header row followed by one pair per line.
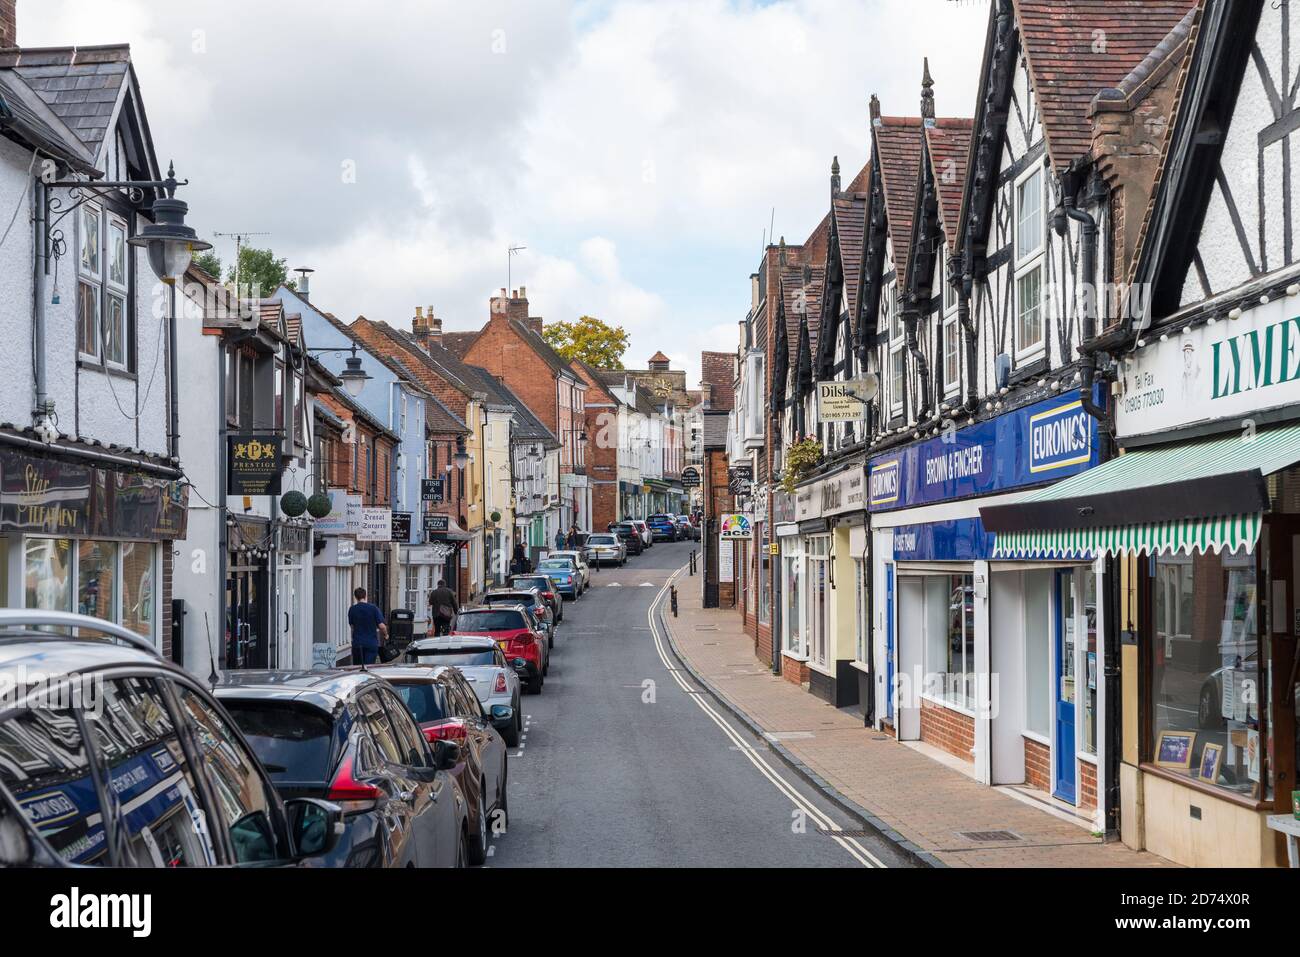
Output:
x,y
674,600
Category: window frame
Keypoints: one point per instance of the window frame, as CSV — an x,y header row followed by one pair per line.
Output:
x,y
1029,260
105,288
951,350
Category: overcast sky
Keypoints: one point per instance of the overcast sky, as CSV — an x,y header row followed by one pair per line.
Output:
x,y
636,147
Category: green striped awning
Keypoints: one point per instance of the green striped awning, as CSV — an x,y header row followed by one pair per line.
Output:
x,y
1229,533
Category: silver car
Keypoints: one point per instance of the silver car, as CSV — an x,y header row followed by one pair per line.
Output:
x,y
603,549
484,666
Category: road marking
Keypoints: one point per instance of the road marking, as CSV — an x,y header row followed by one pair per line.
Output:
x,y
613,585
851,846
646,585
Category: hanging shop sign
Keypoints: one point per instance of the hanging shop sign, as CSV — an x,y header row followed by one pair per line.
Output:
x,y
345,514
735,526
783,508
835,404
691,477
376,525
433,490
1227,370
1040,443
402,528
295,539
437,524
48,496
253,464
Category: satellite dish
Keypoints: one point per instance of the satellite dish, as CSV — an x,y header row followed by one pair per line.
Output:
x,y
867,389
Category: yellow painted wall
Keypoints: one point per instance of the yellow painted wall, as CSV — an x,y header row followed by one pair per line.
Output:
x,y
844,609
1227,835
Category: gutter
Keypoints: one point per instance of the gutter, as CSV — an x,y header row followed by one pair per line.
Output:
x,y
104,458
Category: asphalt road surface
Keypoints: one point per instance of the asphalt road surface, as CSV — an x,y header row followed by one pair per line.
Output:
x,y
621,766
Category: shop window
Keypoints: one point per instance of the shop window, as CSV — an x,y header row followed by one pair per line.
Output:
x,y
949,623
139,590
96,579
1038,653
413,591
1090,663
764,583
862,645
819,547
793,585
1206,718
47,573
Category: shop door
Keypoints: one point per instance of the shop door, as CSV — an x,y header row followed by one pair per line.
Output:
x,y
1065,628
245,641
911,625
889,642
287,605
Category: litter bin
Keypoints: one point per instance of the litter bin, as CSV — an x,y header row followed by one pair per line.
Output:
x,y
401,627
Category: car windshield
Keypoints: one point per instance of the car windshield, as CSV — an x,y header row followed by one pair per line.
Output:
x,y
490,621
456,657
424,699
543,583
557,565
602,540
515,598
293,741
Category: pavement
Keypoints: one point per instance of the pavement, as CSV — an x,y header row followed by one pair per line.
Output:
x,y
627,762
919,804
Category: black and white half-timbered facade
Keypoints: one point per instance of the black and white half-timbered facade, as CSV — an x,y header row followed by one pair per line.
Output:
x,y
1201,514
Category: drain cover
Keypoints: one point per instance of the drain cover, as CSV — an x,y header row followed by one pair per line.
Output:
x,y
706,627
989,837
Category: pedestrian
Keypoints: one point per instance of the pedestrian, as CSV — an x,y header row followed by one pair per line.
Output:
x,y
559,539
573,538
520,564
368,627
442,608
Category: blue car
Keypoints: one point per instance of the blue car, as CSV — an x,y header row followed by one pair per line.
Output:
x,y
664,528
563,575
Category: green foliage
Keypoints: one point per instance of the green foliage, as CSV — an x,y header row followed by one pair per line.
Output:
x,y
259,269
210,263
800,459
594,342
293,503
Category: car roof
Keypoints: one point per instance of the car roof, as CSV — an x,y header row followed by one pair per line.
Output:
x,y
55,656
410,674
327,690
485,642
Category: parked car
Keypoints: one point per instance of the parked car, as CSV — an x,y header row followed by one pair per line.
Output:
x,y
347,737
447,709
187,789
688,529
647,536
564,575
606,548
580,562
494,679
515,630
546,588
629,536
531,599
664,528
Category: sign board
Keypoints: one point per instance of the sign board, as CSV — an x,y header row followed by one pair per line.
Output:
x,y
376,525
740,486
735,526
433,490
1038,444
726,562
336,522
324,656
402,527
436,524
691,477
834,404
743,471
253,464
1228,370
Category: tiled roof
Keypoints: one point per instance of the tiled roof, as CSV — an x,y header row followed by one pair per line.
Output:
x,y
715,430
81,85
1076,48
898,145
26,117
949,144
458,342
718,369
850,229
557,362
439,418
526,425
438,360
802,295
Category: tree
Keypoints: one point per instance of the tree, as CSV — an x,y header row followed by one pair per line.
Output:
x,y
258,268
594,342
210,263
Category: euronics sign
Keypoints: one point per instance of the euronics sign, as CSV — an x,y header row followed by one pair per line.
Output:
x,y
1040,443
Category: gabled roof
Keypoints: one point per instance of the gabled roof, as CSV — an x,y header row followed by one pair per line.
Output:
x,y
459,342
948,143
559,365
801,296
850,214
526,426
439,418
1075,48
28,119
898,149
436,359
82,85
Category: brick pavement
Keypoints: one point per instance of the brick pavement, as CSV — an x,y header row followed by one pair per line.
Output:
x,y
926,802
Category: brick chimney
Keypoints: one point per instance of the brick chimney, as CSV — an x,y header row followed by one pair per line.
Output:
x,y
426,328
8,23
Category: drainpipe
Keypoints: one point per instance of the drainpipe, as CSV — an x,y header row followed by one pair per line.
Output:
x,y
174,426
964,285
910,321
40,268
1088,242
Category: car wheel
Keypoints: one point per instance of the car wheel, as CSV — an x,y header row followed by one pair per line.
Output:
x,y
462,855
511,734
535,686
503,798
478,844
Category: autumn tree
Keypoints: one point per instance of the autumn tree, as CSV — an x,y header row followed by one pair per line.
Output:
x,y
594,342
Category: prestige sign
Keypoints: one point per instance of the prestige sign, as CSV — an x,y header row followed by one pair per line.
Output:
x,y
1228,370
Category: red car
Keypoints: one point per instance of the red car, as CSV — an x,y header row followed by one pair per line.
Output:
x,y
518,634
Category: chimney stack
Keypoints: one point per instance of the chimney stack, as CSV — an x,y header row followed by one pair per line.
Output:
x,y
427,329
8,24
304,281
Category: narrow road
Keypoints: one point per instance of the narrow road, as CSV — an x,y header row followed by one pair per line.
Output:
x,y
622,766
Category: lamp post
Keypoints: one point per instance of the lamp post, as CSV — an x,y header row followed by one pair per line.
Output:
x,y
354,377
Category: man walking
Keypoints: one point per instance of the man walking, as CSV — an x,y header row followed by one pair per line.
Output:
x,y
368,625
559,539
442,608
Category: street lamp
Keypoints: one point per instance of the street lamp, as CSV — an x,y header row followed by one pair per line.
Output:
x,y
353,376
171,244
461,458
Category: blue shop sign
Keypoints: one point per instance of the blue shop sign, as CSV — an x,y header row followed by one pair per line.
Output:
x,y
958,540
1040,443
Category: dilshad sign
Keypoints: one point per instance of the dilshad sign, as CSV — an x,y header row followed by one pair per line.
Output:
x,y
1031,446
1228,370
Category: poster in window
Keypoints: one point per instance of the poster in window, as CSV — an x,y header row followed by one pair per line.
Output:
x,y
1174,749
1252,754
253,464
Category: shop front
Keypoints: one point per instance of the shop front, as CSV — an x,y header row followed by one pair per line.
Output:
x,y
979,656
293,595
1200,521
81,537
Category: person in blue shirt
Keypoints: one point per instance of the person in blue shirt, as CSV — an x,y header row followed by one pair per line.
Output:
x,y
368,626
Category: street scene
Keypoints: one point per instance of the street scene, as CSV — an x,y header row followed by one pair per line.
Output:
x,y
746,434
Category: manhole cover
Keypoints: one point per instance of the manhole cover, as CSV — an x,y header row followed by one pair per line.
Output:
x,y
989,837
706,627
881,737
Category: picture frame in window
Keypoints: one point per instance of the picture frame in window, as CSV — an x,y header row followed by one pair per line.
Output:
x,y
1211,761
1174,749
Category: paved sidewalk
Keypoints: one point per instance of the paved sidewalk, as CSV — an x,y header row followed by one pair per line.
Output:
x,y
927,804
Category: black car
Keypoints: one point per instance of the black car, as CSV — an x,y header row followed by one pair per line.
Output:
x,y
629,536
349,738
545,588
122,759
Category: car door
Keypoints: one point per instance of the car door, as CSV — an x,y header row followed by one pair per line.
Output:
x,y
434,805
397,810
489,748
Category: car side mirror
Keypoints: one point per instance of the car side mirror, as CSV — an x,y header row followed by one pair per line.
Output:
x,y
446,755
502,715
316,825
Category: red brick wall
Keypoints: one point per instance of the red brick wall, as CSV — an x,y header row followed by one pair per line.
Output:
x,y
1038,765
718,369
764,647
501,351
8,23
1087,785
948,730
794,671
604,505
